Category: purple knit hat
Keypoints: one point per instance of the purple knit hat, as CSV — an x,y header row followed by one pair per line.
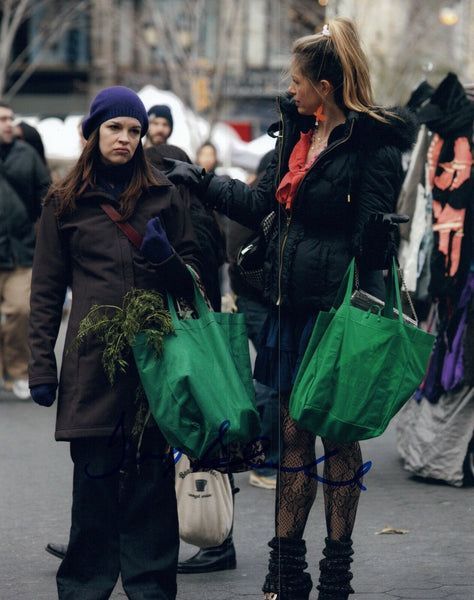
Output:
x,y
116,101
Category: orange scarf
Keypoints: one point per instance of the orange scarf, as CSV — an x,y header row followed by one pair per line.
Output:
x,y
298,166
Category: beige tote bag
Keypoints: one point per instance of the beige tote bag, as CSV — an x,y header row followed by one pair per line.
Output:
x,y
205,505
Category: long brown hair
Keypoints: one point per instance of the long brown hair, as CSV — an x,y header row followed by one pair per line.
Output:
x,y
83,177
339,58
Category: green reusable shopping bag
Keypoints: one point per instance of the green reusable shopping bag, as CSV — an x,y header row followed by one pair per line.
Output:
x,y
200,391
360,366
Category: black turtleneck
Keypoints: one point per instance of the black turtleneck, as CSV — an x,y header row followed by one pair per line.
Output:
x,y
114,178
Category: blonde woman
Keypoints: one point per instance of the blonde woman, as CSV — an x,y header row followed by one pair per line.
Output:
x,y
336,167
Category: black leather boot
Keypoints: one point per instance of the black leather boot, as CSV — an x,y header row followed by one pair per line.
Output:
x,y
286,579
335,573
207,560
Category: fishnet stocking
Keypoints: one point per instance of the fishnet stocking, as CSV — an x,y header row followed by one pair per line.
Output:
x,y
297,481
340,501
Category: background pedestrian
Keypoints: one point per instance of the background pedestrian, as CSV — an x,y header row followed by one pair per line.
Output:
x,y
160,125
24,181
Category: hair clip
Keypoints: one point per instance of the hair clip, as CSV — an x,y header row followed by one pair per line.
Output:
x,y
326,31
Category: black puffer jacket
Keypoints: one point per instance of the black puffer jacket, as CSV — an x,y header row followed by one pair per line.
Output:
x,y
28,175
24,181
17,236
358,174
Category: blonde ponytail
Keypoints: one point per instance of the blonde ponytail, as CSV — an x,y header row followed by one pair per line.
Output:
x,y
336,55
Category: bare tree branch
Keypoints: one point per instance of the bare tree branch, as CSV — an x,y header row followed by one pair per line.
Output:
x,y
185,60
175,58
60,16
224,51
14,13
46,38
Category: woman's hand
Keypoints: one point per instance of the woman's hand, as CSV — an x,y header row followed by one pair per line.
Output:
x,y
155,246
44,394
193,176
379,240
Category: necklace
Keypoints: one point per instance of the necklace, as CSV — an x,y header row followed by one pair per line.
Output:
x,y
318,142
315,137
318,145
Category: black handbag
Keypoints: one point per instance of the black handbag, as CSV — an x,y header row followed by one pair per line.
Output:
x,y
251,255
365,301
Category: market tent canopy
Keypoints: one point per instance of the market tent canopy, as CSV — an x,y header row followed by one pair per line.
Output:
x,y
61,138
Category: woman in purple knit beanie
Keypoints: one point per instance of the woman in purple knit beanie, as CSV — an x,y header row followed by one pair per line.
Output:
x,y
124,517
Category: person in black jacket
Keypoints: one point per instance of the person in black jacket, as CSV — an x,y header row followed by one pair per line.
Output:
x,y
209,234
211,240
336,170
212,244
24,181
161,125
249,301
206,156
27,133
124,518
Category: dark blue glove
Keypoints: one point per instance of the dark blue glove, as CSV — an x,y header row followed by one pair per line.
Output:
x,y
155,246
44,394
192,176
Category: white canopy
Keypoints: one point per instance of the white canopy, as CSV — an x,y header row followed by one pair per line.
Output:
x,y
62,141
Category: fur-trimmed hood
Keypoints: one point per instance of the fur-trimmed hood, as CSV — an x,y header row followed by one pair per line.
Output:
x,y
399,130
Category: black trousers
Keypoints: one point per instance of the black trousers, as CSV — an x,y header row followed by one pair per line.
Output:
x,y
124,520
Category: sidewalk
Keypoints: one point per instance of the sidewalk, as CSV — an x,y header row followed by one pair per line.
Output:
x,y
433,560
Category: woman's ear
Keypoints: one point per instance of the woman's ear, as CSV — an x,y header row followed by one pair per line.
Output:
x,y
326,87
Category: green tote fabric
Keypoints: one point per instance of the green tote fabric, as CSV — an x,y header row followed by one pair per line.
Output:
x,y
360,367
200,391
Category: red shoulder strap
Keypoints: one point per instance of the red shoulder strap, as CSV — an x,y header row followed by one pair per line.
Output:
x,y
125,226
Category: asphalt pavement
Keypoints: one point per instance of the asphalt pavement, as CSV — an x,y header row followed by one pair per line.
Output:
x,y
432,557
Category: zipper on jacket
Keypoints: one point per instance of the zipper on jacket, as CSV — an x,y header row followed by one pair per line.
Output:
x,y
330,149
288,218
285,237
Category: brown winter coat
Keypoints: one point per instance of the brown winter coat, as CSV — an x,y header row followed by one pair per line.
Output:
x,y
88,252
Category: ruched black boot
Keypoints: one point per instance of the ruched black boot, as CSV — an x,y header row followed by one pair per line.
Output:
x,y
335,573
286,579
